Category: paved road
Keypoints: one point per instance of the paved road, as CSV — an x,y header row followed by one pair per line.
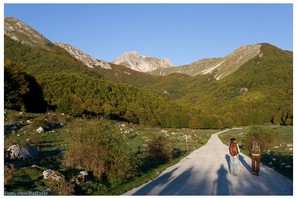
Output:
x,y
205,172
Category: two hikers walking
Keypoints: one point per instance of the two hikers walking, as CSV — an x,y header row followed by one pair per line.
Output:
x,y
255,150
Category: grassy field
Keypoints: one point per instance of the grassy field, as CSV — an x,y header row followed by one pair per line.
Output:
x,y
20,128
279,154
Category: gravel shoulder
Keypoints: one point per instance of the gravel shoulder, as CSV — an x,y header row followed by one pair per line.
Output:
x,y
206,172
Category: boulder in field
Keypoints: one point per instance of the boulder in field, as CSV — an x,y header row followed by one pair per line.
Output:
x,y
52,175
19,152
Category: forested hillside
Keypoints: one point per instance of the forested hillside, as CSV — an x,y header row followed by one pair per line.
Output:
x,y
68,87
260,91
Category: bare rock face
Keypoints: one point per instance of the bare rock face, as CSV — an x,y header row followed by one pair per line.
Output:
x,y
142,63
83,57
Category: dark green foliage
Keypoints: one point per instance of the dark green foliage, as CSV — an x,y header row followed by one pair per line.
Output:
x,y
21,90
34,100
16,85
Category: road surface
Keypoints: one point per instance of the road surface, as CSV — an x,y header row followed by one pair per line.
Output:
x,y
206,172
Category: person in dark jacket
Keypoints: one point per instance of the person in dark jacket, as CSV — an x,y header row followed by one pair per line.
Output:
x,y
256,155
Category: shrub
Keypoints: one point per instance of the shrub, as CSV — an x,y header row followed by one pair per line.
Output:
x,y
40,122
62,187
8,173
266,137
101,150
159,149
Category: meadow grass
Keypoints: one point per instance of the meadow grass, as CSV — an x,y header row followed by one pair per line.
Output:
x,y
53,140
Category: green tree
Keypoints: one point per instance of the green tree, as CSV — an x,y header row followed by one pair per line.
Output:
x,y
16,85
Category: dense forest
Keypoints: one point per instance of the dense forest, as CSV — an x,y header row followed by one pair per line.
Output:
x,y
261,91
80,92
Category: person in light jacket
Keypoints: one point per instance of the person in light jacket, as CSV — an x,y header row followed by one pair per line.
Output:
x,y
234,156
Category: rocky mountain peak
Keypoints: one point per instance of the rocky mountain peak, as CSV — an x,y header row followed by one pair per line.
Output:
x,y
83,57
142,63
21,32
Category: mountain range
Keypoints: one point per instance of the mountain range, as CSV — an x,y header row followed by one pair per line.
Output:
x,y
221,67
83,57
252,85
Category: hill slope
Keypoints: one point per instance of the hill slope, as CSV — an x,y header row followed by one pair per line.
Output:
x,y
219,67
257,91
253,85
83,57
21,32
66,85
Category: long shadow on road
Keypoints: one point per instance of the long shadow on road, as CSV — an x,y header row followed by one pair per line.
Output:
x,y
222,184
185,184
151,185
228,161
175,187
243,162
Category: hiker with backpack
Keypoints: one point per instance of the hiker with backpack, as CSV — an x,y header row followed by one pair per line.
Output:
x,y
256,155
234,156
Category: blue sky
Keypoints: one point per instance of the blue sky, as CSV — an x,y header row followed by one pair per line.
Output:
x,y
183,33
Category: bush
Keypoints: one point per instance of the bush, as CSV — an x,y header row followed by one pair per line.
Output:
x,y
40,122
101,150
8,173
62,187
159,149
266,137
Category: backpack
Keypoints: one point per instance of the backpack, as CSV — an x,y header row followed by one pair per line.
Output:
x,y
256,149
233,149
